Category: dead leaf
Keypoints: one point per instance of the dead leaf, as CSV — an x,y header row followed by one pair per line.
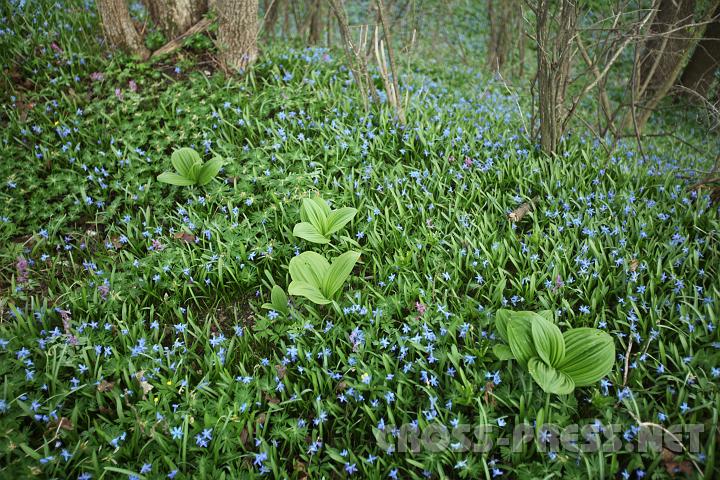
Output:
x,y
245,437
281,370
146,387
518,214
301,469
64,423
488,396
105,386
673,467
260,420
184,236
634,264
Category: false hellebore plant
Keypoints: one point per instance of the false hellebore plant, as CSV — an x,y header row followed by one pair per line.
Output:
x,y
558,362
190,169
319,222
318,280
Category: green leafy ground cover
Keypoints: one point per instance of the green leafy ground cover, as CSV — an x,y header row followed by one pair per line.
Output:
x,y
133,340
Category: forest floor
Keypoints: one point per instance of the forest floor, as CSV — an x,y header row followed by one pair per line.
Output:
x,y
133,338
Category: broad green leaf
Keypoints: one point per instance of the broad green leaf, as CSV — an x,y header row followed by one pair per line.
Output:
x,y
324,207
314,214
589,355
550,379
547,315
309,267
548,341
174,179
209,170
503,352
340,270
304,289
195,172
519,332
307,231
279,299
183,159
502,317
339,218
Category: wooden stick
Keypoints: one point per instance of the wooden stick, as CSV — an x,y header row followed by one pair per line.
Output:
x,y
176,43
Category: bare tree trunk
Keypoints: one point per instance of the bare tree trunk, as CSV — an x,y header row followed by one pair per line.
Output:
x,y
665,69
316,22
670,39
174,17
554,53
237,32
271,17
501,18
705,61
119,29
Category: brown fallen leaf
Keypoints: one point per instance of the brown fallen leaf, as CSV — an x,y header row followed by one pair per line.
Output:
x,y
245,437
634,264
64,423
105,386
673,467
146,387
272,400
281,370
300,468
185,237
518,214
489,387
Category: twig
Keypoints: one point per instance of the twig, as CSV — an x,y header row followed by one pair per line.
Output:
x,y
391,56
176,43
627,360
518,214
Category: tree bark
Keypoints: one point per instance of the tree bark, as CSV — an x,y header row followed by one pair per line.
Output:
x,y
174,17
502,16
118,28
316,22
705,61
670,39
271,16
237,32
553,67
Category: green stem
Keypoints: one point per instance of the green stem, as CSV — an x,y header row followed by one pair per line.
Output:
x,y
547,408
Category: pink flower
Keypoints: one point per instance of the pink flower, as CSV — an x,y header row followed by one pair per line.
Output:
x,y
21,265
104,290
133,86
55,47
118,94
468,162
420,308
97,76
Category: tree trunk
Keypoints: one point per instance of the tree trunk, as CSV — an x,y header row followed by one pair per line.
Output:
x,y
705,61
174,17
670,39
316,22
271,17
554,39
501,19
237,32
119,29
